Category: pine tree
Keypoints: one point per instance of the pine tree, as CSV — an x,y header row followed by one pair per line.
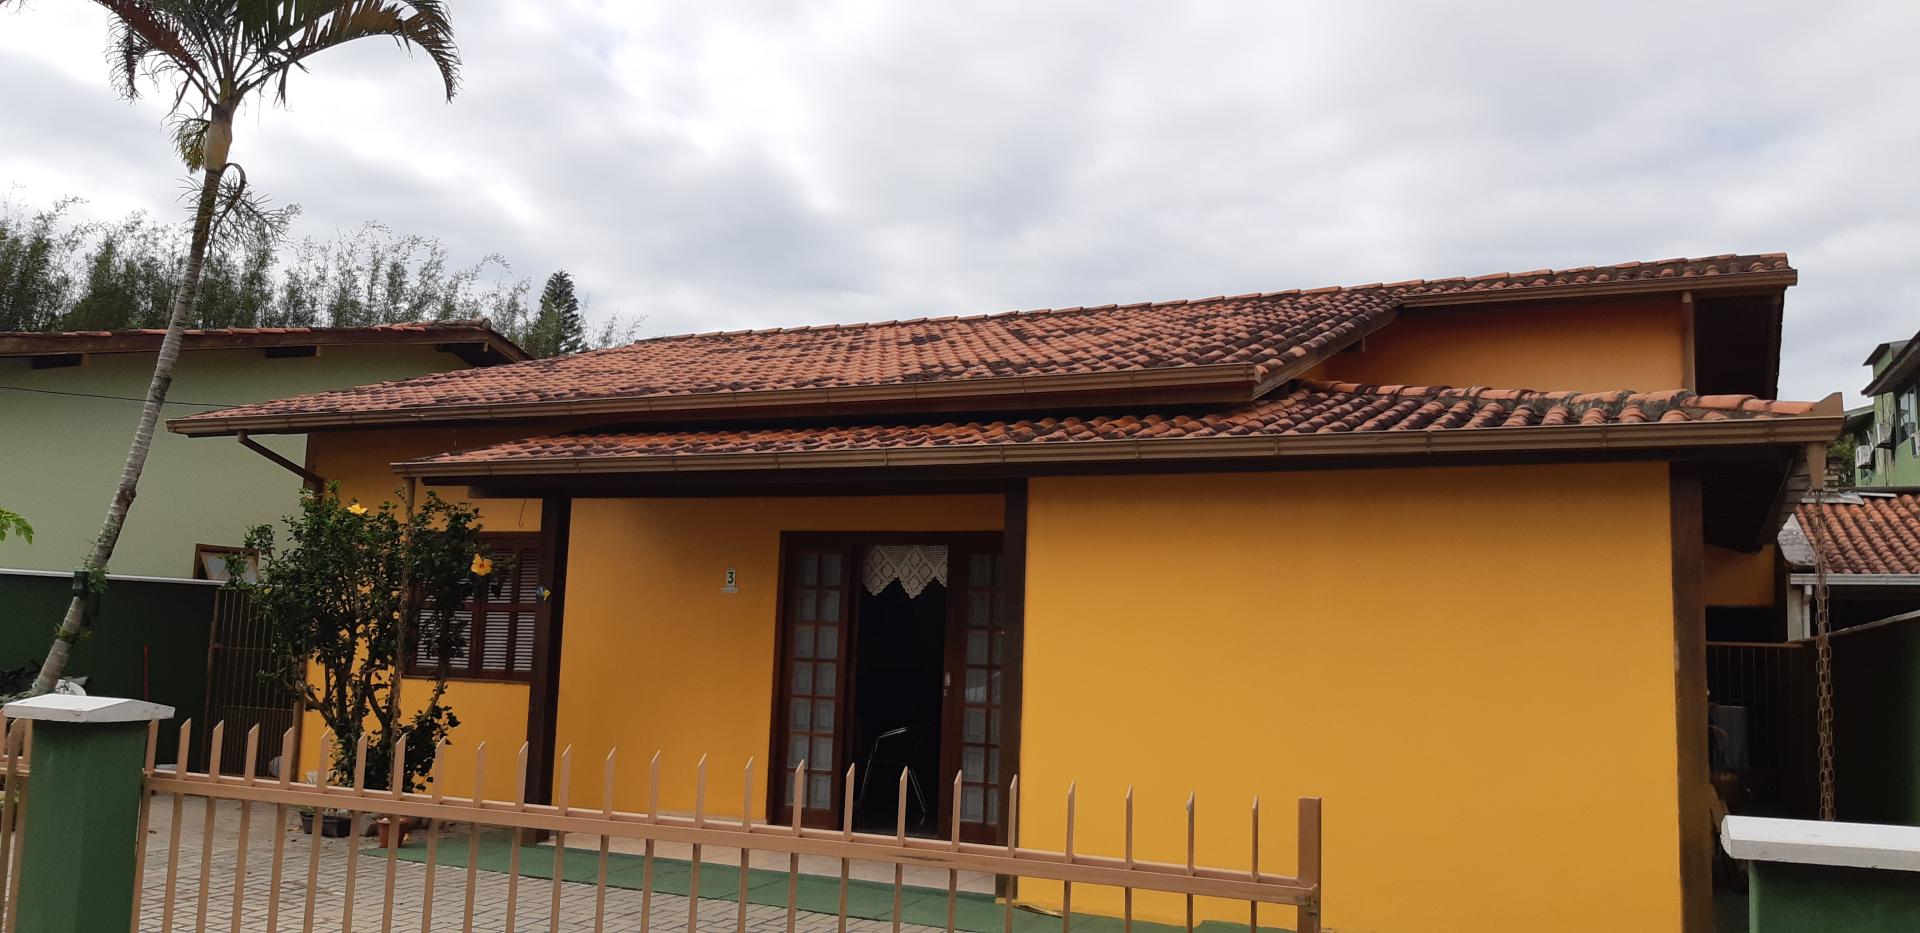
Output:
x,y
557,329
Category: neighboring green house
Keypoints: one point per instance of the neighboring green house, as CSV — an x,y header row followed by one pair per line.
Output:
x,y
68,406
1887,438
69,402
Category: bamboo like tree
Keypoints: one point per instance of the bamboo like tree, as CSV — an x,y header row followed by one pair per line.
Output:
x,y
216,56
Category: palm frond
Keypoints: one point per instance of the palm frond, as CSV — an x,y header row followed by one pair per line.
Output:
x,y
142,30
288,32
243,219
190,139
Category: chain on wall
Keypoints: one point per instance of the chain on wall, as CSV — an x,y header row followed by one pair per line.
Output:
x,y
1823,650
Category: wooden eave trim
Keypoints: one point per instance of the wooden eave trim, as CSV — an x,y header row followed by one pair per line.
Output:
x,y
1698,284
1237,380
38,345
1606,437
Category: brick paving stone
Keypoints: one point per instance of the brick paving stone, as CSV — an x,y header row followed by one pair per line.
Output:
x,y
576,914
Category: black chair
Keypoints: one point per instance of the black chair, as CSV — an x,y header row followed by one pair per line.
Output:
x,y
907,741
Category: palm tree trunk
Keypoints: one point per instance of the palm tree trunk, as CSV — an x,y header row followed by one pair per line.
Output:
x,y
183,302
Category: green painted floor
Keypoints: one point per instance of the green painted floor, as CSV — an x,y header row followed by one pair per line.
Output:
x,y
872,900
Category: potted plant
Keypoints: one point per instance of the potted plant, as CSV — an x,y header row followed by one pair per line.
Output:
x,y
388,827
346,593
333,823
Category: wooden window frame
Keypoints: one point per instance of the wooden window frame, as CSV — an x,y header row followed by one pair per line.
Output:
x,y
200,569
521,542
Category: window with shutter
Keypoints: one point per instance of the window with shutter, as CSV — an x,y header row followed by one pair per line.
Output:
x,y
500,626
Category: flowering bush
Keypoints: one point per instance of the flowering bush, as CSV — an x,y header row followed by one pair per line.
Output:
x,y
348,593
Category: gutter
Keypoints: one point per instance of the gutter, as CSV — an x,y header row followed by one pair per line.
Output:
x,y
1858,579
1609,437
1698,284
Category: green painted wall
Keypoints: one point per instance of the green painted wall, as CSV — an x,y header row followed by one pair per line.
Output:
x,y
1787,898
149,641
1898,466
1876,724
61,455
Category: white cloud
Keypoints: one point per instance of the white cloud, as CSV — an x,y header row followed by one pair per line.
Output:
x,y
758,163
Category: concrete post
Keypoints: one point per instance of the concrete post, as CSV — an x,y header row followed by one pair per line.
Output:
x,y
83,810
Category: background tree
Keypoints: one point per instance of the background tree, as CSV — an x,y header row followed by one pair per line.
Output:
x,y
218,56
12,523
116,275
557,329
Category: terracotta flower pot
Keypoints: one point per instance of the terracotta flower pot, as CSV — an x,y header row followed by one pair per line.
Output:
x,y
385,826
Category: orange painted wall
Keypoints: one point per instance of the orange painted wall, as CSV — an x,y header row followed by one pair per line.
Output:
x,y
1472,666
491,712
1594,347
657,658
1736,578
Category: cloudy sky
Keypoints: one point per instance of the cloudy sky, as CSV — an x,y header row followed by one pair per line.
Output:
x,y
716,165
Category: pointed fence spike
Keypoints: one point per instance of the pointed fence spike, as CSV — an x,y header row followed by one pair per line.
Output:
x,y
746,808
433,770
479,775
653,790
216,743
252,760
286,757
396,779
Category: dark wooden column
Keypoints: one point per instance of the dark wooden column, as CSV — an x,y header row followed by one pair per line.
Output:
x,y
543,699
1014,562
1690,699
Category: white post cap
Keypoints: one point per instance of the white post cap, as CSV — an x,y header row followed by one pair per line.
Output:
x,y
1811,842
57,707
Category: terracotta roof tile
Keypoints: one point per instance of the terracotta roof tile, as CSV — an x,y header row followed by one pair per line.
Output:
x,y
1878,534
1314,407
1269,332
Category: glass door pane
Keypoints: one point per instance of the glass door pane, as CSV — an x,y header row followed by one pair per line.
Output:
x,y
977,692
812,681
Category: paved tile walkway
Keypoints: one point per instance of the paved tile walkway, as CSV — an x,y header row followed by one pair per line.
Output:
x,y
532,910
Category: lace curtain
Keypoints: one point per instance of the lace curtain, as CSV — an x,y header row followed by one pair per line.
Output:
x,y
914,565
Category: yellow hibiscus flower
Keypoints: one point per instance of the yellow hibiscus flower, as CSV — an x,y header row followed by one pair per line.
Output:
x,y
481,566
357,509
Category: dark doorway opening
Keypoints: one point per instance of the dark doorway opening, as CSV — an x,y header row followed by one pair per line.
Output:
x,y
899,666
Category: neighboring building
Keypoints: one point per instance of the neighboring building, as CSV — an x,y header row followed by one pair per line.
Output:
x,y
69,403
1887,445
68,406
1870,544
1251,545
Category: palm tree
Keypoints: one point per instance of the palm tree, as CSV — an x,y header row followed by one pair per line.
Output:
x,y
218,55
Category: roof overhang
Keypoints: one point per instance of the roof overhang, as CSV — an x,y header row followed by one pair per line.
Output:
x,y
1677,441
1899,371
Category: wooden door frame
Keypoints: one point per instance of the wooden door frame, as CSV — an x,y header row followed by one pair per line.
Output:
x,y
850,543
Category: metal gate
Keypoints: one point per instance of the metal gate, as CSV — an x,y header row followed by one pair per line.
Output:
x,y
240,691
1772,685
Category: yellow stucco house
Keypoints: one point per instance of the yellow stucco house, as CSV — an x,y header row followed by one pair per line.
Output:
x,y
1239,545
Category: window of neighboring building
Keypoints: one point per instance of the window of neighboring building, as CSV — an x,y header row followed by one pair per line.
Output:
x,y
499,626
1908,404
211,562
